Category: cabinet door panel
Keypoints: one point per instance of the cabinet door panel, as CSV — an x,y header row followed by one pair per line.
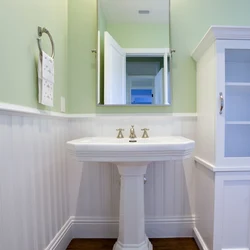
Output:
x,y
233,123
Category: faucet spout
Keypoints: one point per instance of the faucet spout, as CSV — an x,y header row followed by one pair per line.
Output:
x,y
132,133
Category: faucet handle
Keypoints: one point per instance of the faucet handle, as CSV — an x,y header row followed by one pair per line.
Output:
x,y
120,135
145,133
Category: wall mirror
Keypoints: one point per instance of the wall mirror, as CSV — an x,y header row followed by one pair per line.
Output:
x,y
133,54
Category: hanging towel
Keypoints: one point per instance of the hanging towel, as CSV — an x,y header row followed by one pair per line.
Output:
x,y
46,80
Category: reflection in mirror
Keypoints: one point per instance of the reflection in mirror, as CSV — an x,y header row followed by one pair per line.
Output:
x,y
133,52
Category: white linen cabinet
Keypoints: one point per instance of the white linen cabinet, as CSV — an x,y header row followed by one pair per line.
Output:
x,y
223,139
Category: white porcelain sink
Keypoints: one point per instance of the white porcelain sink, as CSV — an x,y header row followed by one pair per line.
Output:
x,y
107,149
132,159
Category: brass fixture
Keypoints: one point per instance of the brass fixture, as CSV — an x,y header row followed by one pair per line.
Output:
x,y
120,135
40,33
132,133
145,133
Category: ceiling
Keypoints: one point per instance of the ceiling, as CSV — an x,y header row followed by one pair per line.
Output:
x,y
126,11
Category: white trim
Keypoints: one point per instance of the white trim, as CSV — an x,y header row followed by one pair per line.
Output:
x,y
220,33
238,123
79,227
90,227
199,240
99,220
212,167
235,248
238,84
7,107
12,108
166,85
80,116
147,51
62,238
204,163
98,65
184,114
134,114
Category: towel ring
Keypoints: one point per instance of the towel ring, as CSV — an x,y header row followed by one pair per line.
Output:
x,y
40,33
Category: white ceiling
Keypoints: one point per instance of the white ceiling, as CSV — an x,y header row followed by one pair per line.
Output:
x,y
127,11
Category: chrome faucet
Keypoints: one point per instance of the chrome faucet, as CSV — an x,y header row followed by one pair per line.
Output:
x,y
132,133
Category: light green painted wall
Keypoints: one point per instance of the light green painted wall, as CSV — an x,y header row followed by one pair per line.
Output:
x,y
190,19
135,35
19,51
82,34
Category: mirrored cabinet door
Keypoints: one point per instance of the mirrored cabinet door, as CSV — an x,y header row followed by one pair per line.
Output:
x,y
133,52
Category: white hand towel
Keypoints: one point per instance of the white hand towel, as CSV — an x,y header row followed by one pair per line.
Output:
x,y
46,80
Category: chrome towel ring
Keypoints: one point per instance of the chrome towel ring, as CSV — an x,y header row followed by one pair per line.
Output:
x,y
40,33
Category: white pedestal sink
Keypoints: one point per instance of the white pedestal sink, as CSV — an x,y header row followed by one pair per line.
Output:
x,y
132,159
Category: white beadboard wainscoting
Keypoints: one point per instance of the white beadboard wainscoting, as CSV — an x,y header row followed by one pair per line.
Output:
x,y
33,181
94,187
47,198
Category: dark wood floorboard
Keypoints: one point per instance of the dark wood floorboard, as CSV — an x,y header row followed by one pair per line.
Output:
x,y
158,244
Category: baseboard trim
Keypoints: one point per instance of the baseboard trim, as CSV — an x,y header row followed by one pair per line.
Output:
x,y
92,227
62,238
87,227
235,248
199,240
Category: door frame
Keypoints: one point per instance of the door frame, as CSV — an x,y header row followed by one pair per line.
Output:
x,y
155,52
131,78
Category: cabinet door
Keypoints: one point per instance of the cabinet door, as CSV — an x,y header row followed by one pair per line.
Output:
x,y
114,71
233,93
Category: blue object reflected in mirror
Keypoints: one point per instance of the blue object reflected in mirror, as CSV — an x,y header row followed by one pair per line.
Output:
x,y
141,96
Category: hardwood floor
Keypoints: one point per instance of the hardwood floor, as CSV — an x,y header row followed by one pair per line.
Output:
x,y
158,244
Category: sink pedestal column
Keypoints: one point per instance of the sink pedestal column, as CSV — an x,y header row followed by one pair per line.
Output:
x,y
132,219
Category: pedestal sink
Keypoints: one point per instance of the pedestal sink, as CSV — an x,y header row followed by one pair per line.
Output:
x,y
132,159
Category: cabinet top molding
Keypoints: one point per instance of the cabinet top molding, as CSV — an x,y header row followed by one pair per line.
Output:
x,y
220,33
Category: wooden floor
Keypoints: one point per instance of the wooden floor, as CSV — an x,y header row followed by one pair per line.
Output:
x,y
158,244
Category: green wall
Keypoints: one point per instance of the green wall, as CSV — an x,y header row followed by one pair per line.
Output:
x,y
82,34
136,35
190,19
19,51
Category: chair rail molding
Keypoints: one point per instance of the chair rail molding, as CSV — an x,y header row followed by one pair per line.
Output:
x,y
8,108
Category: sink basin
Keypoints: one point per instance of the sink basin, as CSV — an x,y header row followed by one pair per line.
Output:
x,y
132,159
107,149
